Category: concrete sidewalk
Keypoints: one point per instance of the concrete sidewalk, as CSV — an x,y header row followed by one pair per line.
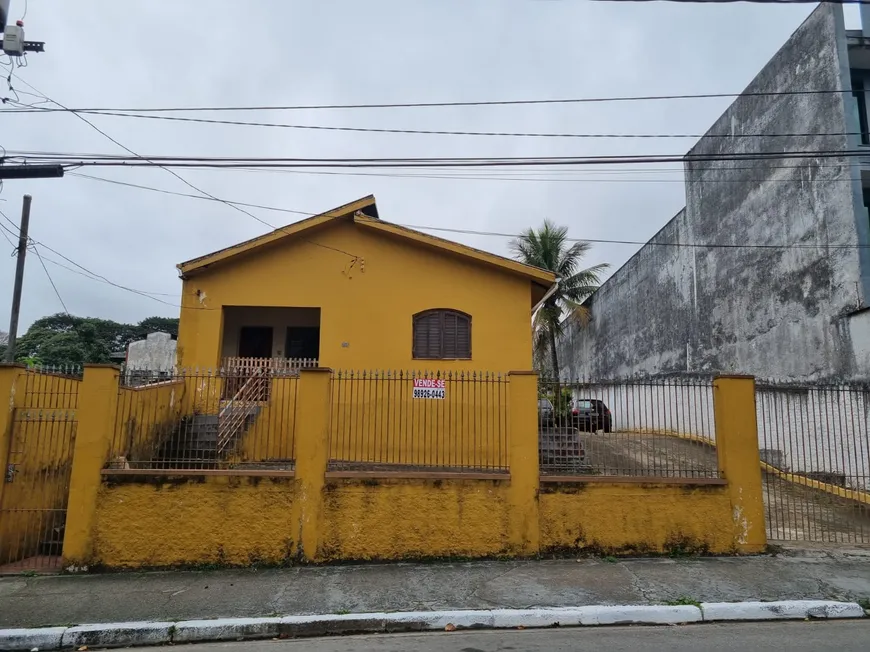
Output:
x,y
66,600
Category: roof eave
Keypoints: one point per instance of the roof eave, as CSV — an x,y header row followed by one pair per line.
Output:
x,y
542,277
194,265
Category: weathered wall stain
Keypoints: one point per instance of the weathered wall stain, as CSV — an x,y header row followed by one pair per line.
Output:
x,y
771,312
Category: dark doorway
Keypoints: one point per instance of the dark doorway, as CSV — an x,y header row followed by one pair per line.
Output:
x,y
255,342
303,342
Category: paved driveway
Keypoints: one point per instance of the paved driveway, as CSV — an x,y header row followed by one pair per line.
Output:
x,y
794,512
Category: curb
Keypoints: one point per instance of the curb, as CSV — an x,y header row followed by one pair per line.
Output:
x,y
234,629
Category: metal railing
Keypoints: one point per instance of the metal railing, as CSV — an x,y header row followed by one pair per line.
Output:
x,y
191,422
419,421
661,427
814,444
37,475
239,370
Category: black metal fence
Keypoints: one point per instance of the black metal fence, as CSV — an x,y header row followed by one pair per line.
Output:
x,y
418,421
660,427
814,443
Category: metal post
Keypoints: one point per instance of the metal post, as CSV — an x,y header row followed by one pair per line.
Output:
x,y
19,278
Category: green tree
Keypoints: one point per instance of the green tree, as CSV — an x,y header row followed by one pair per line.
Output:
x,y
550,249
61,340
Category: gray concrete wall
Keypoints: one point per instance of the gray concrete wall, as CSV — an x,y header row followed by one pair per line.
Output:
x,y
155,353
776,313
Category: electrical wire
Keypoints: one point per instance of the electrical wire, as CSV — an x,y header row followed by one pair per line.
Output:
x,y
417,105
175,174
88,273
51,280
432,132
423,227
458,162
691,245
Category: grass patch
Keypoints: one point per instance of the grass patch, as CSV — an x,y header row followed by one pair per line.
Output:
x,y
684,602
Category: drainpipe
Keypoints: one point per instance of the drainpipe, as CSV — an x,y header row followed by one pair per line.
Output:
x,y
865,19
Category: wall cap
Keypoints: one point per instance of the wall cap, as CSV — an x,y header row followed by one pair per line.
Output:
x,y
12,365
522,373
100,365
733,377
315,370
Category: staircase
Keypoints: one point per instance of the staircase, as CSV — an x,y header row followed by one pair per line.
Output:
x,y
201,441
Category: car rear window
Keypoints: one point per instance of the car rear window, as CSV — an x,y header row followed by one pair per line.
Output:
x,y
543,403
584,405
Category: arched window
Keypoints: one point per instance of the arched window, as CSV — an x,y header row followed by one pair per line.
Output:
x,y
442,335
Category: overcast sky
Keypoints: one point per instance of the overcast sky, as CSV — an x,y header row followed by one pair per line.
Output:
x,y
141,53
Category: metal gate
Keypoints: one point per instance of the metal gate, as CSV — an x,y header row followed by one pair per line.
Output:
x,y
814,442
34,498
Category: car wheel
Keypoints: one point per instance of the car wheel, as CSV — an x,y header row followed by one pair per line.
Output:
x,y
608,426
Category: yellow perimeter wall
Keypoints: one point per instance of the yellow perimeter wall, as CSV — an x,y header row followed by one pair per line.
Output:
x,y
125,520
240,521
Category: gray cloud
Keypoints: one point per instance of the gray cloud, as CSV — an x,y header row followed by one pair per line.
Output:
x,y
266,52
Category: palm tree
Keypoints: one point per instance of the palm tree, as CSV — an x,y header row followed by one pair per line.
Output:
x,y
550,249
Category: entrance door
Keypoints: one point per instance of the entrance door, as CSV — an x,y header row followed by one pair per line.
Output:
x,y
303,342
255,342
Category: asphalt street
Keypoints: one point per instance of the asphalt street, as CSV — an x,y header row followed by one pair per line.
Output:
x,y
832,636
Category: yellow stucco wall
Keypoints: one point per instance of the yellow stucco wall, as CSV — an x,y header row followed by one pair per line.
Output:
x,y
367,306
208,520
632,518
397,519
240,521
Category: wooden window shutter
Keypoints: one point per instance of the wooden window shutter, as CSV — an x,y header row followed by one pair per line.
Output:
x,y
441,334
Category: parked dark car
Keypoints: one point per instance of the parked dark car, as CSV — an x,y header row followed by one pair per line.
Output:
x,y
545,412
591,415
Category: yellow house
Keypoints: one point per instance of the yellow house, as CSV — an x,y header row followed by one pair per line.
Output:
x,y
351,291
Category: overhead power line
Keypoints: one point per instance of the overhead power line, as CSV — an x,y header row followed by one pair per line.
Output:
x,y
692,245
440,132
445,162
423,227
172,172
84,270
424,105
51,280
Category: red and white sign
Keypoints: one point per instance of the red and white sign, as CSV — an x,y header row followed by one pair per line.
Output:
x,y
429,388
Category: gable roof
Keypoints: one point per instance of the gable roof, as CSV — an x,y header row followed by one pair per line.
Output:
x,y
364,212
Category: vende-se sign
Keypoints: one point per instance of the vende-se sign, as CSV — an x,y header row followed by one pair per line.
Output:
x,y
429,388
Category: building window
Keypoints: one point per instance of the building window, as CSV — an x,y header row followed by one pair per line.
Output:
x,y
858,93
442,335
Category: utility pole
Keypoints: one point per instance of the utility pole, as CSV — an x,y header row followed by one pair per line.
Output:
x,y
19,278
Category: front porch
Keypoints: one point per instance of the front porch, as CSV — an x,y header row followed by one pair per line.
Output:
x,y
263,342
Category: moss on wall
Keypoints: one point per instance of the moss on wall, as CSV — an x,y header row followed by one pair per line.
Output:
x,y
636,519
226,521
402,519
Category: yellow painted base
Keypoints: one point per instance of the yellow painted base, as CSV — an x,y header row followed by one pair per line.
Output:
x,y
227,521
239,521
403,519
636,519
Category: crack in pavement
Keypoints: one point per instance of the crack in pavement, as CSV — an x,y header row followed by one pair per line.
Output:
x,y
636,582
